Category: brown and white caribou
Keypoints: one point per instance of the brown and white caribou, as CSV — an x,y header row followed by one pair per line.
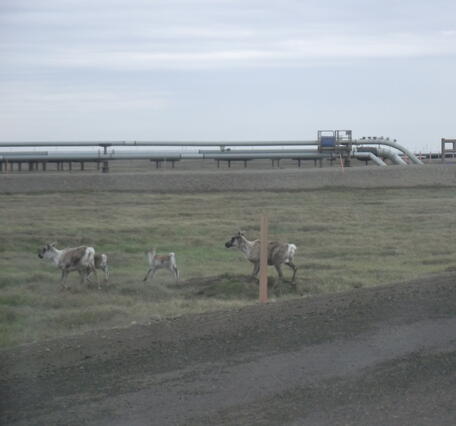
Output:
x,y
278,253
80,259
161,261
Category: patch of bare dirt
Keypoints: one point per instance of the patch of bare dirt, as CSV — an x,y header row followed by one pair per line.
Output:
x,y
232,286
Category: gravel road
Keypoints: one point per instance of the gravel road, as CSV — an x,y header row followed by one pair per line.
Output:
x,y
380,356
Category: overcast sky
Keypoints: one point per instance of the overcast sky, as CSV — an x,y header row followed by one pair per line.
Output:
x,y
227,69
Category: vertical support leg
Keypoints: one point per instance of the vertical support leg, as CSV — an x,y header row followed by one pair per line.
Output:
x,y
105,168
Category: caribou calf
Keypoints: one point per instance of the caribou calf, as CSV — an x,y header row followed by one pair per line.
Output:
x,y
278,253
81,259
101,262
157,261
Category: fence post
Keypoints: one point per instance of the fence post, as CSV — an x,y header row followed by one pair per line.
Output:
x,y
263,259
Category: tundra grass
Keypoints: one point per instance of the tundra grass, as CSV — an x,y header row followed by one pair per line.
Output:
x,y
346,239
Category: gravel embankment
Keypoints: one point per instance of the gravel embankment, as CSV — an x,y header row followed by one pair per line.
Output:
x,y
381,356
173,181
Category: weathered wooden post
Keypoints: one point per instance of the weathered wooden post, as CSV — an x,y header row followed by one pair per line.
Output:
x,y
341,162
264,259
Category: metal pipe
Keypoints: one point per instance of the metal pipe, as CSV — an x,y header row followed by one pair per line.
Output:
x,y
105,144
393,156
249,156
390,143
385,153
173,155
162,155
158,143
84,155
256,151
360,155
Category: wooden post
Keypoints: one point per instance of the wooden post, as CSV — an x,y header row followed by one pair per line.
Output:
x,y
264,259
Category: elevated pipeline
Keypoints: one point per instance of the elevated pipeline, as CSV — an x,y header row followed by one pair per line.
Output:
x,y
392,144
221,144
382,153
365,155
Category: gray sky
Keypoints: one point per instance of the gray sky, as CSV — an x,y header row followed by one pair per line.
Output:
x,y
227,69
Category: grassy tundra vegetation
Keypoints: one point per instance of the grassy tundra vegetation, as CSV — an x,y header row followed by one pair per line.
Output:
x,y
346,239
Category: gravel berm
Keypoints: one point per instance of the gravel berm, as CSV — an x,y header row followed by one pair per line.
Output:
x,y
174,181
380,356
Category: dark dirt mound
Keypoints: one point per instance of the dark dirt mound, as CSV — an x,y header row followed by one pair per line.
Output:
x,y
231,286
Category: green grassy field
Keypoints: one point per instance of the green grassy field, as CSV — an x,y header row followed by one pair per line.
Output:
x,y
346,239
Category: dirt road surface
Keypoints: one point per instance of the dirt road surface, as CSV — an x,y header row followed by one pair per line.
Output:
x,y
381,356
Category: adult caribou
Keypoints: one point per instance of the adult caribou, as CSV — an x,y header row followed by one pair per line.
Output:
x,y
278,253
81,259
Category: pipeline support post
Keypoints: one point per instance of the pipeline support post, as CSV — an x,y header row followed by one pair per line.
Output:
x,y
105,167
